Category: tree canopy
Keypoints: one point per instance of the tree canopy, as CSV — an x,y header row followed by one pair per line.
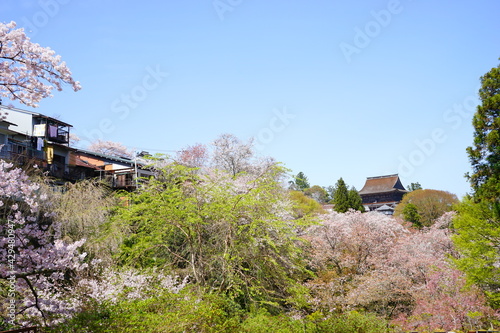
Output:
x,y
477,223
300,182
318,193
28,71
414,186
425,206
345,199
231,233
484,154
110,148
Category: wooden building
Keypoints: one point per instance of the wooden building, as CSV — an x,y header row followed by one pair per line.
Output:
x,y
31,138
382,193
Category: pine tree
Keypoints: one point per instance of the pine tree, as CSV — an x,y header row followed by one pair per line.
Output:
x,y
477,224
485,152
301,182
355,201
341,201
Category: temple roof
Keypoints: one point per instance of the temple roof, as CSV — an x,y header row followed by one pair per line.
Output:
x,y
380,184
384,208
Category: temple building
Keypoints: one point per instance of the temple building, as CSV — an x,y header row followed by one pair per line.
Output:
x,y
382,193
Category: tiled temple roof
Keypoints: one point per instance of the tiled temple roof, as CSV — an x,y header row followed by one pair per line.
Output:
x,y
381,184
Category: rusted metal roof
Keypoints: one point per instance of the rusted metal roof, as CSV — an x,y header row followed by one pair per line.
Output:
x,y
380,184
86,164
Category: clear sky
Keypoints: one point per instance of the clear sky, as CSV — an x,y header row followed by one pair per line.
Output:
x,y
333,88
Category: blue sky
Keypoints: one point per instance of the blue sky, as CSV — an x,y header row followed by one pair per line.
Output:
x,y
331,88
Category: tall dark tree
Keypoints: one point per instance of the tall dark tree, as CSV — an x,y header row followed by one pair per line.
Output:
x,y
355,201
300,182
414,186
477,223
341,202
484,154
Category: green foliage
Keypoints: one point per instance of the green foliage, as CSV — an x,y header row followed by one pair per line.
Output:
x,y
355,201
300,182
353,322
341,199
317,322
484,155
429,204
304,205
410,214
478,220
263,322
414,186
477,238
317,193
208,312
229,234
345,199
185,312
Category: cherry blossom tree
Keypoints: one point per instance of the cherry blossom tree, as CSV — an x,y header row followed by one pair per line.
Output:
x,y
113,285
344,247
194,156
28,71
110,148
36,265
444,301
371,262
231,154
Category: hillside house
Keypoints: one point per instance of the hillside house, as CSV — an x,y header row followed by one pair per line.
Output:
x,y
30,138
119,172
382,193
33,138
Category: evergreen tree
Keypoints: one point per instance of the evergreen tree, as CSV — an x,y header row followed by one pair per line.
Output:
x,y
414,186
477,223
355,201
300,183
485,152
341,202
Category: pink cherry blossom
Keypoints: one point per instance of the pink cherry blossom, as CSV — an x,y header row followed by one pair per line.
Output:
x,y
28,71
33,257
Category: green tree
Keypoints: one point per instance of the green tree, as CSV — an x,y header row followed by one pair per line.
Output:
x,y
317,193
355,201
484,155
231,233
477,223
304,205
410,214
300,182
477,237
429,204
341,202
414,186
345,198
